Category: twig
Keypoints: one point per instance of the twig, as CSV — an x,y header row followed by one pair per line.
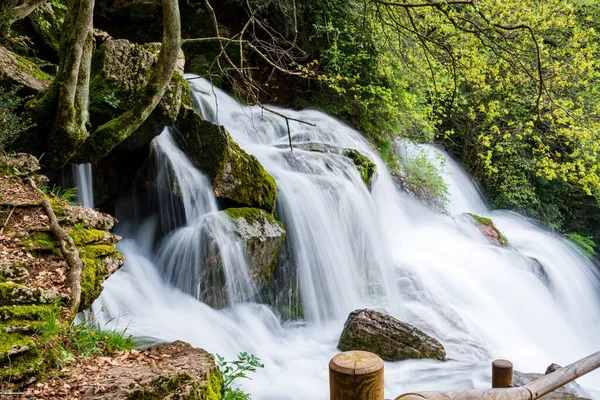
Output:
x,y
10,215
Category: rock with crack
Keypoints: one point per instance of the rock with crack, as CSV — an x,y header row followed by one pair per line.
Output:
x,y
389,338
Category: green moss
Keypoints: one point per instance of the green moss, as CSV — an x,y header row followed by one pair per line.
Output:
x,y
40,241
87,236
91,281
251,215
365,167
213,388
31,68
97,251
27,312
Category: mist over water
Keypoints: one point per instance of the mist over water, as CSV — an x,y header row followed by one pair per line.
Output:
x,y
534,303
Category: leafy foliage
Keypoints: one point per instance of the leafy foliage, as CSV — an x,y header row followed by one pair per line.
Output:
x,y
423,177
112,100
11,122
233,370
585,243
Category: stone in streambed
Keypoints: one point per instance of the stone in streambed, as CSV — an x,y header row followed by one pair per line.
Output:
x,y
389,338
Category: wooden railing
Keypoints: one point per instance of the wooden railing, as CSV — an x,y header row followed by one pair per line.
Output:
x,y
358,375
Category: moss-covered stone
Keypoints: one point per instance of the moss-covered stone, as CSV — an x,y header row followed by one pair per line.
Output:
x,y
238,178
120,72
19,70
366,168
489,230
47,21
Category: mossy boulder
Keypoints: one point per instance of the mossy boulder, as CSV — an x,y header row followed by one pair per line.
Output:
x,y
489,230
19,70
389,338
120,72
260,234
239,180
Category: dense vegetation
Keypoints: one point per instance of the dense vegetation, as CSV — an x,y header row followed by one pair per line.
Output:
x,y
510,88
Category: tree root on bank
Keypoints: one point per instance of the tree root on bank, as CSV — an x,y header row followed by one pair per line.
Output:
x,y
70,254
68,250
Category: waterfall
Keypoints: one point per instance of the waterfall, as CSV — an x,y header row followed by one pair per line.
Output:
x,y
535,303
82,175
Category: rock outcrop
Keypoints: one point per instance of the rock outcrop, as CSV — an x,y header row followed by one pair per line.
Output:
x,y
33,287
489,230
389,338
170,371
261,235
18,70
120,71
239,180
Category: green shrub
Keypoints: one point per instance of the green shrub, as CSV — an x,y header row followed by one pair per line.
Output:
x,y
424,178
11,123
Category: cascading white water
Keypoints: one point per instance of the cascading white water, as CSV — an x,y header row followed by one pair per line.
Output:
x,y
82,175
534,303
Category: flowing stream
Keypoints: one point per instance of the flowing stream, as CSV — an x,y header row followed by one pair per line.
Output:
x,y
534,303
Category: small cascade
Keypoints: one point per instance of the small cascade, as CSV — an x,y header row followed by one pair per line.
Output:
x,y
82,175
535,302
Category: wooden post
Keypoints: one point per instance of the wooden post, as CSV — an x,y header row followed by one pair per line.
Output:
x,y
502,374
356,375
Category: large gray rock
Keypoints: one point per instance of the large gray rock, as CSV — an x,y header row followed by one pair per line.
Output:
x,y
120,72
389,338
18,70
239,179
262,236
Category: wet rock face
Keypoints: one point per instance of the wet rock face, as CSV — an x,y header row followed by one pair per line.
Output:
x,y
389,338
262,236
238,177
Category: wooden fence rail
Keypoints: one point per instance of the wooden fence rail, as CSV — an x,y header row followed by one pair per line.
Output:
x,y
358,375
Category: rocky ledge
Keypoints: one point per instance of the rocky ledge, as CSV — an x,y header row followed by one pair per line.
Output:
x,y
171,371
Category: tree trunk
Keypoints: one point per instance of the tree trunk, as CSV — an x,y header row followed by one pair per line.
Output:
x,y
72,81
